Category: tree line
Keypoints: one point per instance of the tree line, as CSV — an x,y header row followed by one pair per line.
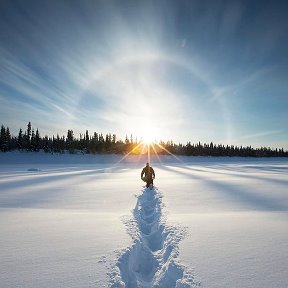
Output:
x,y
97,143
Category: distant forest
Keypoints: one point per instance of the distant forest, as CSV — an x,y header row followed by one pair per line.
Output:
x,y
97,143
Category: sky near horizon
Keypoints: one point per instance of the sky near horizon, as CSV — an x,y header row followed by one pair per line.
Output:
x,y
182,70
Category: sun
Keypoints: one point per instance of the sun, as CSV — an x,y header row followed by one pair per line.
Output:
x,y
148,134
148,139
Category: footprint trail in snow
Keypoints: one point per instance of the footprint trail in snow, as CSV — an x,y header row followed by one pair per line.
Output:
x,y
151,261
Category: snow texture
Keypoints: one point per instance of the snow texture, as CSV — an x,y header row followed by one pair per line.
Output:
x,y
151,261
66,221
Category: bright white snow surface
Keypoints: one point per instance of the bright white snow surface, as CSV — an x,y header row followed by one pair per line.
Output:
x,y
86,221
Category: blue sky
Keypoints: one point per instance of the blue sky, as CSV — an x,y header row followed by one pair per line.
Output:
x,y
182,70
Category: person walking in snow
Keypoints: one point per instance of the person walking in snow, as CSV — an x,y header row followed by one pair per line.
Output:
x,y
147,175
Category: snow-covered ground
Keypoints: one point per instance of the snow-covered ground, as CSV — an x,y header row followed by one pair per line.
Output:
x,y
87,221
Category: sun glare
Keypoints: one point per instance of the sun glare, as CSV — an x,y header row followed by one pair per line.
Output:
x,y
148,132
148,139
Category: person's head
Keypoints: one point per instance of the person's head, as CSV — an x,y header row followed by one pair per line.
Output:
x,y
147,164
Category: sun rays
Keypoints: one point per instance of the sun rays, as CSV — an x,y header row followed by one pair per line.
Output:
x,y
145,149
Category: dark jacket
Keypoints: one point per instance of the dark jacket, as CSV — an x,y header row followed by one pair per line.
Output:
x,y
148,173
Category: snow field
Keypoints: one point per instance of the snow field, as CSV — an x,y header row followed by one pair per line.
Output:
x,y
57,248
85,221
61,226
236,218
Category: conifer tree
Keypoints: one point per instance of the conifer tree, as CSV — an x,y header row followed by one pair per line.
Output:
x,y
33,142
108,144
69,141
8,138
114,138
28,136
20,139
87,140
3,138
96,137
37,140
46,145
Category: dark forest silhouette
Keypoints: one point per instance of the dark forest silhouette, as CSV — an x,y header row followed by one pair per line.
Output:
x,y
97,143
